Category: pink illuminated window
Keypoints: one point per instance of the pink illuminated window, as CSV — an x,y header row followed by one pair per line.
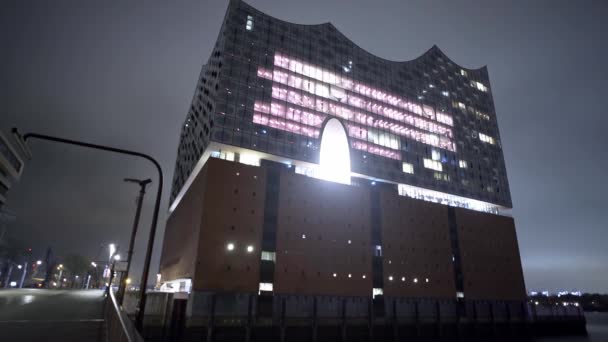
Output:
x,y
326,93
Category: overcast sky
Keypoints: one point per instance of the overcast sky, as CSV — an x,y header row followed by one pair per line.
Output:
x,y
122,73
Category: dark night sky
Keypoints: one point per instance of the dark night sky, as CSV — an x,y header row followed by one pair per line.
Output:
x,y
123,73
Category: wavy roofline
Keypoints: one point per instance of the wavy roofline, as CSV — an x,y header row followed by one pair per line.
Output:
x,y
432,49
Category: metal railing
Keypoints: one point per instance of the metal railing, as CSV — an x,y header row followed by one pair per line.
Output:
x,y
119,327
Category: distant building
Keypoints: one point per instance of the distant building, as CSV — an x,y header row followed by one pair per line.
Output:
x,y
11,167
318,184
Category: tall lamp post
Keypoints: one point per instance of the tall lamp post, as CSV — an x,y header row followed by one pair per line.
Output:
x,y
144,277
142,191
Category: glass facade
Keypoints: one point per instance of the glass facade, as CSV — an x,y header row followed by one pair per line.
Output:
x,y
271,85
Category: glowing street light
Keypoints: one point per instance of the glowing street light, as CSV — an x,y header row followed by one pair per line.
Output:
x,y
39,262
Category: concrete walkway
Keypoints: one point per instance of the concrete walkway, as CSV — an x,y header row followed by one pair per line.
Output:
x,y
51,315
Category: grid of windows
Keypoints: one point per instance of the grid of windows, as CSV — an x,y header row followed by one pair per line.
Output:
x,y
270,85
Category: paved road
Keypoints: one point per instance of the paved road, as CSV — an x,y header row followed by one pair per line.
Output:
x,y
51,315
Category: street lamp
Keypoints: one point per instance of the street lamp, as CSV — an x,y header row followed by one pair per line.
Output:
x,y
148,257
140,199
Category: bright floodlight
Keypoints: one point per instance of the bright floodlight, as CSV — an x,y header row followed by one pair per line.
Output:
x,y
335,154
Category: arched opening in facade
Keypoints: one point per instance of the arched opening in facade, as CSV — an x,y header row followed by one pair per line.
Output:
x,y
334,163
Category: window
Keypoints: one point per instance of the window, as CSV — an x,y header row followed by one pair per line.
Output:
x,y
442,176
480,86
377,292
486,138
249,25
408,168
462,164
459,294
266,287
432,164
378,251
435,155
269,256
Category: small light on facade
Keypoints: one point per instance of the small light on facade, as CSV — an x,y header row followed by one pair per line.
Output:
x,y
426,280
303,236
238,173
349,242
402,278
230,246
13,283
350,275
128,281
390,278
93,264
363,276
19,266
38,262
117,257
415,280
335,275
249,249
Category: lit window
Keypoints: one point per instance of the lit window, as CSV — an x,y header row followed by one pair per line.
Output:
x,y
266,287
481,87
459,294
408,168
249,249
377,292
249,159
269,256
230,246
249,25
378,251
486,138
462,164
435,155
441,176
432,164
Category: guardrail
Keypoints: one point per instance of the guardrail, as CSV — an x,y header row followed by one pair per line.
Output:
x,y
119,327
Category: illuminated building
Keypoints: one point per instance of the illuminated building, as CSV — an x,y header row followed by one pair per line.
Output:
x,y
317,183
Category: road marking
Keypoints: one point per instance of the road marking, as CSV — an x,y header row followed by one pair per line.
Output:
x,y
54,321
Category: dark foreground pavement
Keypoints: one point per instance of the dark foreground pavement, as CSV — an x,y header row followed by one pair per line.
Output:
x,y
51,315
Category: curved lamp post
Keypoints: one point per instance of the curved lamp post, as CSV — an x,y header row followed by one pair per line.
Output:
x,y
144,278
